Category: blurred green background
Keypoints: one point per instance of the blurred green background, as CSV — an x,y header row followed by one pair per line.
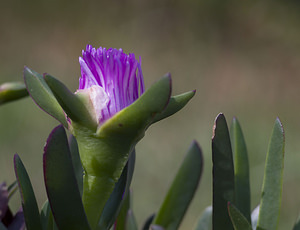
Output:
x,y
242,57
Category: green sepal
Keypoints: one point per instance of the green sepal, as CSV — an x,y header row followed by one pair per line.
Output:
x,y
238,220
29,204
181,191
71,103
241,170
272,184
43,96
61,185
205,221
223,174
12,91
175,104
129,124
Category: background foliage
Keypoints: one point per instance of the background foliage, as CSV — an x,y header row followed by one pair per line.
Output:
x,y
242,57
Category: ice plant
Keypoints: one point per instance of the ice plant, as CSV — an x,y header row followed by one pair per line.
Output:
x,y
108,115
112,79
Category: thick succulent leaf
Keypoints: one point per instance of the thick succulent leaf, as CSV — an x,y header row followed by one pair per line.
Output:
x,y
297,224
61,185
181,191
12,91
238,220
78,170
205,221
223,174
70,102
42,95
113,205
254,217
29,204
241,170
175,104
272,183
130,221
148,222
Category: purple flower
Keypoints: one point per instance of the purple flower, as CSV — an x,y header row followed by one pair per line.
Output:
x,y
111,78
12,222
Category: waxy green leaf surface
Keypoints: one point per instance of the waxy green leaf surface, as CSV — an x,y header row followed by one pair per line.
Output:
x,y
42,95
223,174
181,191
241,170
239,221
272,184
61,185
29,204
12,91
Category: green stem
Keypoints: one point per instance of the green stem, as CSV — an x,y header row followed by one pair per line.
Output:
x,y
96,192
103,160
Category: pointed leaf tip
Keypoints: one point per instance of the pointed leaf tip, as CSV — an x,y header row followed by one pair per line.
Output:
x,y
238,220
41,94
182,190
272,183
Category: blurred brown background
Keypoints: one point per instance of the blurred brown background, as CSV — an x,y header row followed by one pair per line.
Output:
x,y
242,57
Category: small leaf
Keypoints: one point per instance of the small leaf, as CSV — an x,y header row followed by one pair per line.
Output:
x,y
148,222
272,183
175,104
181,191
12,91
46,217
78,170
205,221
29,204
223,174
61,185
70,102
239,221
42,95
130,221
241,170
